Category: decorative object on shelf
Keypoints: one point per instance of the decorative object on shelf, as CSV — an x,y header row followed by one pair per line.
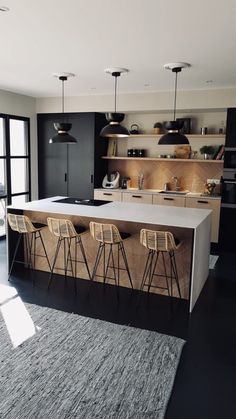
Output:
x,y
173,135
62,128
140,180
220,153
125,182
114,128
182,151
209,188
203,131
207,150
186,125
134,129
111,149
157,128
193,154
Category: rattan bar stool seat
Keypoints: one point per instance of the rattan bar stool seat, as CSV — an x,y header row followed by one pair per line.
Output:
x,y
108,237
31,231
159,242
67,234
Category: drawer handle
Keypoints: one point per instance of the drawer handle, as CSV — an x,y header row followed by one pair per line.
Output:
x,y
107,194
168,199
203,202
136,196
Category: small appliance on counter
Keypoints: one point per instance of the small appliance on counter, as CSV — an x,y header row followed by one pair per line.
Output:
x,y
125,183
111,180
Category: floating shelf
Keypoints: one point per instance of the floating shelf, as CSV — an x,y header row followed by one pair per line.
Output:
x,y
163,159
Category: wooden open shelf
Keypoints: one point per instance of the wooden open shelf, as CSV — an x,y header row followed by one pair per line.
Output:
x,y
190,136
163,159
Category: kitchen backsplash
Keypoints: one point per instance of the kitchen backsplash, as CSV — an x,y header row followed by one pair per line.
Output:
x,y
192,175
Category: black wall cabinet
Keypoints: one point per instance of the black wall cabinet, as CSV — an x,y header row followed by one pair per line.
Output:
x,y
230,138
74,169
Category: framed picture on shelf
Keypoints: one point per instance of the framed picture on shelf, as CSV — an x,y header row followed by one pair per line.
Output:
x,y
111,149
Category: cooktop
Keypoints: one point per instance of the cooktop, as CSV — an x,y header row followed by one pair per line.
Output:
x,y
80,201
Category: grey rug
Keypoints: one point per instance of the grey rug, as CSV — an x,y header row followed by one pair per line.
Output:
x,y
78,367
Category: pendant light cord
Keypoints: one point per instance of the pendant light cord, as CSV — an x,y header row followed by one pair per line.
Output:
x,y
115,91
63,93
176,75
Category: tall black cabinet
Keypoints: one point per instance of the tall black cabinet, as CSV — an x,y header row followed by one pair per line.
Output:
x,y
74,169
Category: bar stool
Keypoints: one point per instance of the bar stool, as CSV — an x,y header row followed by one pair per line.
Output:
x,y
31,232
159,242
109,236
66,233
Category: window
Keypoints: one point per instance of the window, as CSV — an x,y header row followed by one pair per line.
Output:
x,y
14,163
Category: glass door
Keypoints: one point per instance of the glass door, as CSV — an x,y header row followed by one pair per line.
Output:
x,y
3,182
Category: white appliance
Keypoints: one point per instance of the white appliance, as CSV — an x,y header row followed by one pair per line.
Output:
x,y
111,180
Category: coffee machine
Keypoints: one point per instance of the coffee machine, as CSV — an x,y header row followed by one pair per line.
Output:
x,y
111,180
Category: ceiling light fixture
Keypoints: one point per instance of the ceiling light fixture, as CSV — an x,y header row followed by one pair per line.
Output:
x,y
62,128
4,9
173,135
114,129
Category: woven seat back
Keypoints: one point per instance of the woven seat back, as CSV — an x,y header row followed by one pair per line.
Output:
x,y
61,227
105,233
160,241
20,223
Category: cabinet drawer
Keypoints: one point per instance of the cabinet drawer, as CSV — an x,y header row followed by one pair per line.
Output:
x,y
175,201
107,195
137,197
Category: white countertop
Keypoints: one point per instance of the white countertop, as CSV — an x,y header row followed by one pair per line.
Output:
x,y
123,211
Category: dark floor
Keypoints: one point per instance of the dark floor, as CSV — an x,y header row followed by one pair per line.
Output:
x,y
205,384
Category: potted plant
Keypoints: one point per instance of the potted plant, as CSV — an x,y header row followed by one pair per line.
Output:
x,y
207,150
157,128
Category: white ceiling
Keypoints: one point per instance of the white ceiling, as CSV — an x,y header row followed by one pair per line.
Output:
x,y
41,37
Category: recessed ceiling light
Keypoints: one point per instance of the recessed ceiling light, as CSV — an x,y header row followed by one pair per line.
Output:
x,y
146,85
209,81
4,9
93,88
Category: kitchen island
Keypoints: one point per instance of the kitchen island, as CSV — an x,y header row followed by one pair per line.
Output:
x,y
191,226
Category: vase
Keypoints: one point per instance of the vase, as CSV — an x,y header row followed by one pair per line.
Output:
x,y
206,156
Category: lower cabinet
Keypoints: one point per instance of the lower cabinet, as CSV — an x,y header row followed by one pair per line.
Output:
x,y
174,201
108,195
137,197
212,204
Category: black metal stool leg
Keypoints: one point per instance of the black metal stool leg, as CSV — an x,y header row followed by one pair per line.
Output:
x,y
150,271
145,271
84,256
54,262
126,263
98,257
44,249
176,274
164,264
14,255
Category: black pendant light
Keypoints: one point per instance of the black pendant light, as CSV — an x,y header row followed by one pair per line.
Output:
x,y
62,128
114,129
173,135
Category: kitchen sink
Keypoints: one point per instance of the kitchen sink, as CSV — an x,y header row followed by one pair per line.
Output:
x,y
175,192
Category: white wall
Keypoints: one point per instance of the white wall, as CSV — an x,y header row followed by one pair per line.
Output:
x,y
20,105
142,102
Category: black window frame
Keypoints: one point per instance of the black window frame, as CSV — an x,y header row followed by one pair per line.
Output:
x,y
7,157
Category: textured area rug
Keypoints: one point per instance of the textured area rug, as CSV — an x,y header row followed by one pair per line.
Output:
x,y
78,367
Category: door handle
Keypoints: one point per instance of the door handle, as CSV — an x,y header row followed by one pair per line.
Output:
x,y
168,199
203,202
65,177
107,194
136,196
